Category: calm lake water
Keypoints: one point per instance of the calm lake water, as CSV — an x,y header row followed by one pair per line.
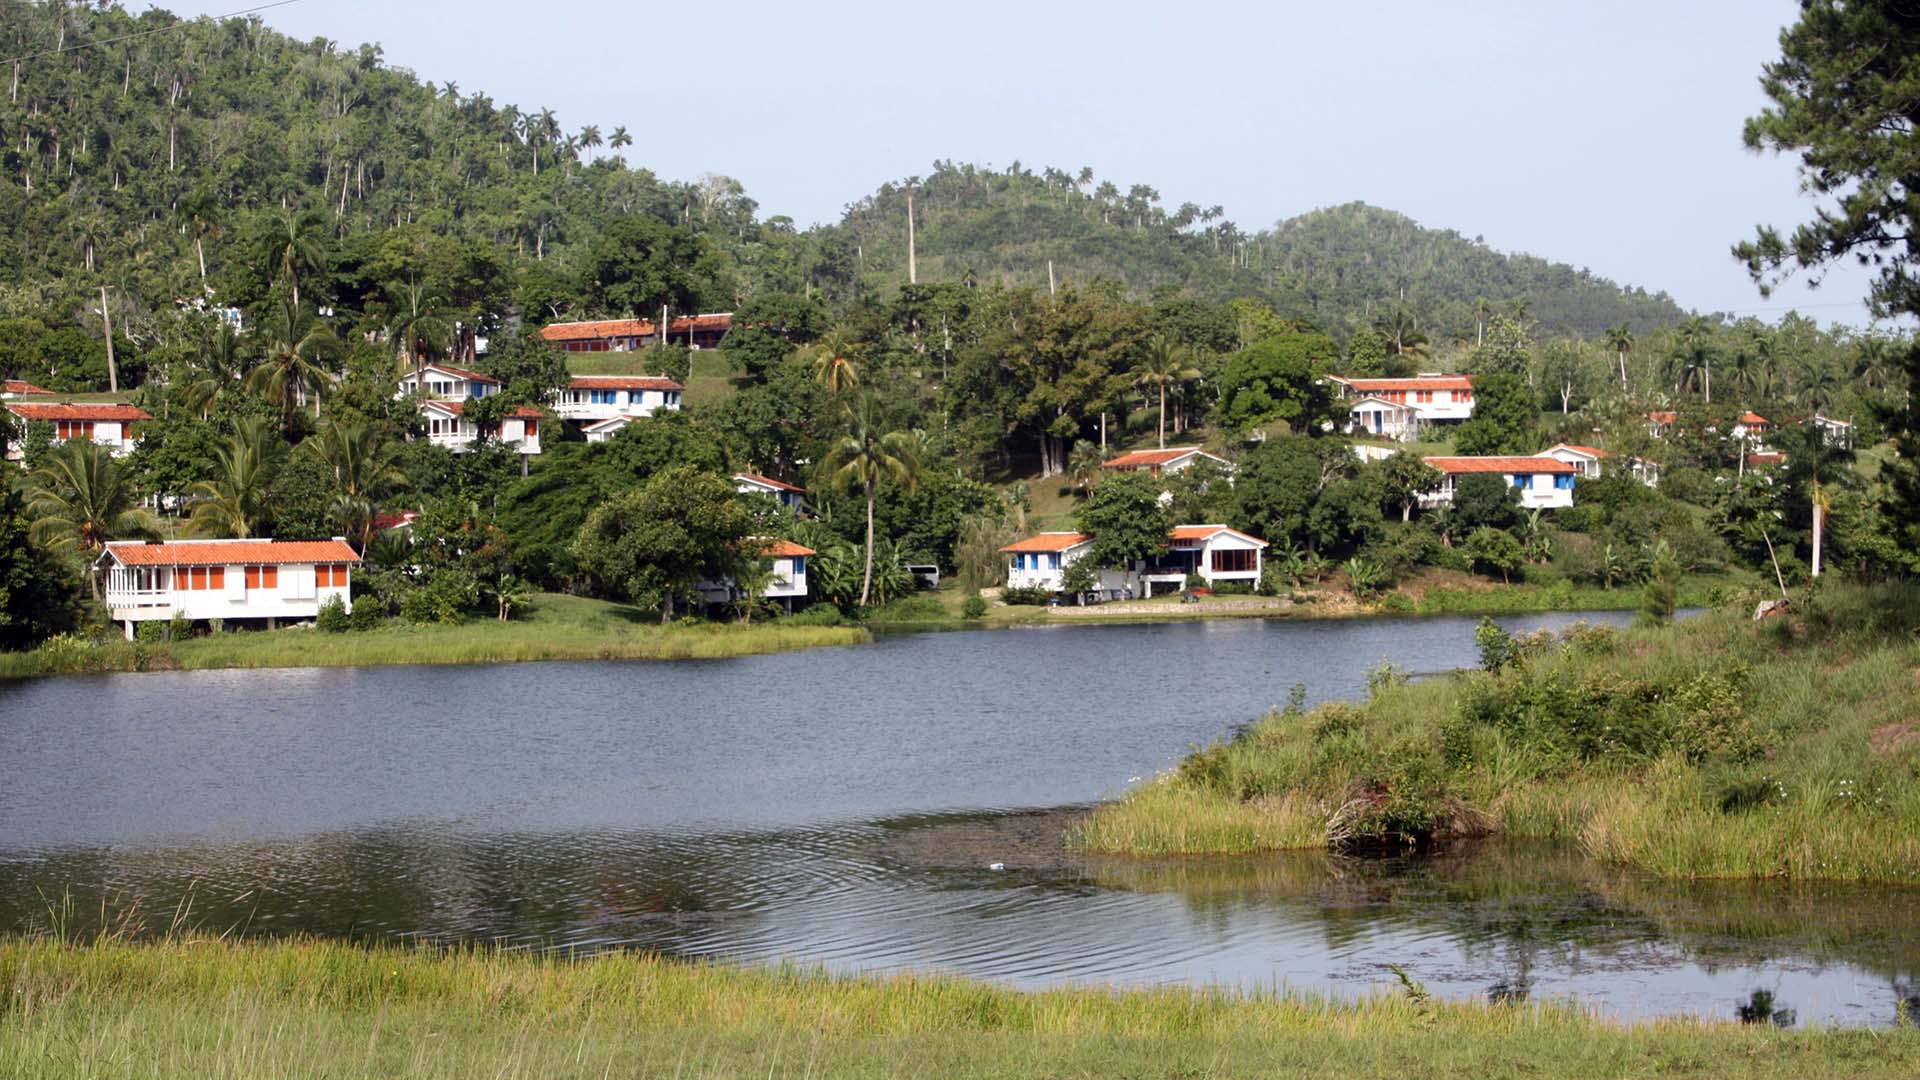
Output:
x,y
841,807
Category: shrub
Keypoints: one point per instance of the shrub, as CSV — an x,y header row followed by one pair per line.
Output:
x,y
333,617
1232,588
366,614
974,608
1449,558
1029,597
919,608
1496,645
1579,519
150,632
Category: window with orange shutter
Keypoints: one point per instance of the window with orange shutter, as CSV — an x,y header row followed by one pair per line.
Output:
x,y
253,577
270,577
197,578
216,577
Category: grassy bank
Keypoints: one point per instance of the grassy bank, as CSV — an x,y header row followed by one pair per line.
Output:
x,y
1715,748
552,627
219,1009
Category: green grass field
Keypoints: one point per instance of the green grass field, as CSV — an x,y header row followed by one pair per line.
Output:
x,y
553,627
209,1008
1716,748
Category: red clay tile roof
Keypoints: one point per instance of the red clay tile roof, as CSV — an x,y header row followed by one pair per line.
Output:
x,y
756,478
1207,532
1048,541
596,329
462,372
1141,459
77,412
786,549
1590,451
1663,417
1750,418
230,552
394,518
456,407
1500,465
1431,382
623,382
22,386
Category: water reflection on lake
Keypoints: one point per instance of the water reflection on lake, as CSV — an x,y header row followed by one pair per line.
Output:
x,y
841,807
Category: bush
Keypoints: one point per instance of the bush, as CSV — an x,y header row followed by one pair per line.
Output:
x,y
1232,588
1449,558
333,617
1579,519
921,608
974,608
816,615
1029,597
366,615
150,632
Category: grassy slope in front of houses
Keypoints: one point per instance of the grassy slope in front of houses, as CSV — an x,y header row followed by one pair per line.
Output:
x,y
1714,748
223,1008
553,627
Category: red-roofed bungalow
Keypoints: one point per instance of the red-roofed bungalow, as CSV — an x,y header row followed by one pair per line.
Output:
x,y
1544,482
631,335
225,579
109,425
1173,459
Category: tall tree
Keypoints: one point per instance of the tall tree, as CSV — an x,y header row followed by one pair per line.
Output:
x,y
365,466
863,458
654,544
301,352
1166,362
235,503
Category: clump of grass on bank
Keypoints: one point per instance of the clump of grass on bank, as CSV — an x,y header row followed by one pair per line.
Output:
x,y
220,1008
1715,748
553,627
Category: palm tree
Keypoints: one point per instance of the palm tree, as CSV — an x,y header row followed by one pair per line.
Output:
x,y
298,352
833,363
864,457
199,213
365,467
1693,353
79,498
1083,466
297,243
619,140
1166,363
234,503
1620,340
417,317
216,370
589,137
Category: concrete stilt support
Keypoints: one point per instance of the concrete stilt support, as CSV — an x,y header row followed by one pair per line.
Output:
x,y
129,625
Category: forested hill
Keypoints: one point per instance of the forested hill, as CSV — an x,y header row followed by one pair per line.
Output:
x,y
165,159
1338,267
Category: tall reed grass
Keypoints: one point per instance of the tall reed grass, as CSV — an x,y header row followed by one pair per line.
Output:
x,y
1714,748
213,1008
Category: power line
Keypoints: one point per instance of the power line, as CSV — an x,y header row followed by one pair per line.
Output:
x,y
181,25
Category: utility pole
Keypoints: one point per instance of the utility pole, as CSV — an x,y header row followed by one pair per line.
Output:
x,y
113,371
1050,289
913,267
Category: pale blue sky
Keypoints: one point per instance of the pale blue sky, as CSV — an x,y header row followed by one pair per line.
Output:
x,y
1606,135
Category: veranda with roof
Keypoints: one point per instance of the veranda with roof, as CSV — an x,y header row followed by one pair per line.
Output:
x,y
271,580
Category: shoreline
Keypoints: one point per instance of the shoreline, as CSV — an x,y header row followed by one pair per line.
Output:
x,y
1713,749
210,1006
559,628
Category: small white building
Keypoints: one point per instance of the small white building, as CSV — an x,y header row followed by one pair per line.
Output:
x,y
1174,459
225,579
1838,433
1584,458
1428,398
1371,414
1752,429
1216,553
110,426
448,426
443,382
1545,483
793,498
1040,562
589,400
785,560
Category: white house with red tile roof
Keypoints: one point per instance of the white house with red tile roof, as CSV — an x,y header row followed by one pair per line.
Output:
x,y
1173,459
1216,553
785,560
13,388
1544,482
225,579
1584,458
1430,398
447,425
787,495
109,425
1752,428
631,335
1040,562
591,399
1834,432
444,382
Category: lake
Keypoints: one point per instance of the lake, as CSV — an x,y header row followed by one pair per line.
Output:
x,y
842,807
